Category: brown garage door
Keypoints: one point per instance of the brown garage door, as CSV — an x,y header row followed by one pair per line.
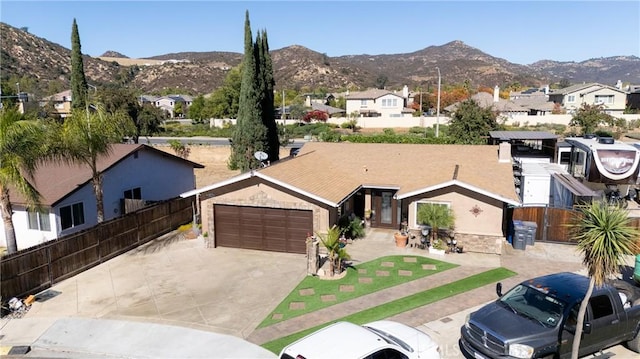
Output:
x,y
271,229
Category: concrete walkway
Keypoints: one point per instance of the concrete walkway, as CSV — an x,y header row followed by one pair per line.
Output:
x,y
226,291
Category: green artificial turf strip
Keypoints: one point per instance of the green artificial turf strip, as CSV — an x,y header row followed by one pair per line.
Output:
x,y
398,306
332,287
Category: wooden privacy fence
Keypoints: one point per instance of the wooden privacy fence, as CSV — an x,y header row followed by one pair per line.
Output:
x,y
37,268
553,223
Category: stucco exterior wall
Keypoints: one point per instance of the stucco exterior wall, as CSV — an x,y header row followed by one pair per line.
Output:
x,y
259,195
478,219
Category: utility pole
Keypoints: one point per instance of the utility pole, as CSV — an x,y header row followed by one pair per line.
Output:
x,y
438,106
282,115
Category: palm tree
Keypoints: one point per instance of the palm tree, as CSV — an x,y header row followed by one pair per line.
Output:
x,y
87,135
604,237
437,216
336,252
21,147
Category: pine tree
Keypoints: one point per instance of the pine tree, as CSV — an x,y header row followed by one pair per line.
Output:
x,y
250,132
79,85
267,82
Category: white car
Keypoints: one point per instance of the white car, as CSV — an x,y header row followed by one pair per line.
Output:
x,y
377,340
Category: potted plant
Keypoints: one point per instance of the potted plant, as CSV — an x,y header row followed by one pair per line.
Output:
x,y
438,247
401,239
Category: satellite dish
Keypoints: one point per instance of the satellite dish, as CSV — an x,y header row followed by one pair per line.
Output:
x,y
261,156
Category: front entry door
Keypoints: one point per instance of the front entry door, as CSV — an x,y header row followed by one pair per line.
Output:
x,y
385,209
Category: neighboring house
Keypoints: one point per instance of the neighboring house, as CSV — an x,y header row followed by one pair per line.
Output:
x,y
376,102
61,103
535,100
277,207
573,97
504,107
133,175
168,103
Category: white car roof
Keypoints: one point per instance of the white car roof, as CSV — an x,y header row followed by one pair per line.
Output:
x,y
339,340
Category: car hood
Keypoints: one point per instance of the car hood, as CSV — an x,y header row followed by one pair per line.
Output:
x,y
418,340
504,323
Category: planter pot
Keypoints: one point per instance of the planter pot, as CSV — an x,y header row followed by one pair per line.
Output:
x,y
436,251
401,240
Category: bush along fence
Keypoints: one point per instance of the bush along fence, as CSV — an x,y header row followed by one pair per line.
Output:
x,y
37,268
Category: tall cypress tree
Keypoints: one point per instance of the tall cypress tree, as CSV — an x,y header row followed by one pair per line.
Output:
x,y
249,133
267,83
79,87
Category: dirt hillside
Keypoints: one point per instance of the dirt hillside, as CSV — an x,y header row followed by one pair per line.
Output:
x,y
214,159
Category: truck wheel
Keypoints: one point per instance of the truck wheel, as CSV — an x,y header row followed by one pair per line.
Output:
x,y
634,344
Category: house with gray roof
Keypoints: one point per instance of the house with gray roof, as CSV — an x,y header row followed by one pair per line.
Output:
x,y
377,102
571,98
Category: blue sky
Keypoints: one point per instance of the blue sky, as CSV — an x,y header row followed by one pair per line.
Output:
x,y
519,31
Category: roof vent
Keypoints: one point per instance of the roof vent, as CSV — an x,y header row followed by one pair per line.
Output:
x,y
589,136
606,140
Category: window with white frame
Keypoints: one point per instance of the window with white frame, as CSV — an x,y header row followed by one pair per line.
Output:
x,y
389,102
604,99
39,220
363,103
571,98
71,216
424,203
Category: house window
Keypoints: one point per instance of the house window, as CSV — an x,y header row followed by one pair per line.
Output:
x,y
419,204
363,103
391,102
39,220
604,99
59,106
134,193
571,98
71,216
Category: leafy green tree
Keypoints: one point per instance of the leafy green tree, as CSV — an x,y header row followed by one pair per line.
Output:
x,y
196,110
266,84
224,102
605,235
250,132
588,117
79,87
21,147
149,121
85,136
297,111
179,109
471,123
564,83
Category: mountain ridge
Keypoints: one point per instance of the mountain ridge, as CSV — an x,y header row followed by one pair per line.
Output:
x,y
300,68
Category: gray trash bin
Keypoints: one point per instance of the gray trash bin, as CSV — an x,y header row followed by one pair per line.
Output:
x,y
530,229
519,241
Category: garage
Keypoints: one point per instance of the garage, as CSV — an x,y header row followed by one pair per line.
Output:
x,y
262,228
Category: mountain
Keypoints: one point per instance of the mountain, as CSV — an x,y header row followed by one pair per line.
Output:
x,y
297,67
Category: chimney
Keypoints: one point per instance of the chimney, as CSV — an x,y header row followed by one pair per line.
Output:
x,y
496,94
546,89
619,85
504,152
405,91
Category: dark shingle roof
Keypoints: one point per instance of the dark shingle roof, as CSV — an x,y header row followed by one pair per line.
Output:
x,y
522,135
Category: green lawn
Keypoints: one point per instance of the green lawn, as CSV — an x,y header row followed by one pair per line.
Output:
x,y
362,279
403,304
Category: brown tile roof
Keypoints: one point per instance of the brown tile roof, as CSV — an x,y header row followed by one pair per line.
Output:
x,y
56,181
334,170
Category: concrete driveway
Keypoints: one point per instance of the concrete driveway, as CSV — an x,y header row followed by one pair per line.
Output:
x,y
180,282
